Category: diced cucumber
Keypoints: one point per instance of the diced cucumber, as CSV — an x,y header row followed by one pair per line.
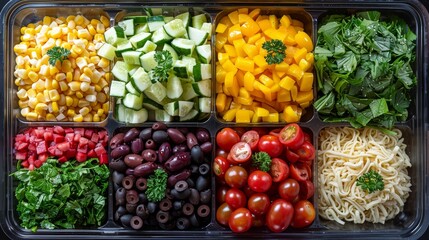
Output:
x,y
205,104
173,53
190,63
185,17
128,26
188,92
155,22
123,47
147,61
137,19
180,69
141,28
198,36
132,57
175,28
107,51
120,112
183,46
203,88
168,19
207,27
153,11
185,107
133,101
151,105
140,39
117,89
139,116
131,89
160,36
149,46
114,35
198,20
132,71
172,108
141,79
156,92
161,115
174,87
120,71
202,72
190,116
204,53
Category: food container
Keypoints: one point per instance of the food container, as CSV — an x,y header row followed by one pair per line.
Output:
x,y
17,13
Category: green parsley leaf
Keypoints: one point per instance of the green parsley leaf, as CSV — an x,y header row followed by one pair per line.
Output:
x,y
371,181
57,54
275,51
262,161
165,63
157,185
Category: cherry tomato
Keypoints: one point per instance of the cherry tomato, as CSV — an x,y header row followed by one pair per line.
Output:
x,y
304,214
275,132
258,221
306,190
220,193
300,171
248,191
306,152
240,220
221,153
271,145
223,213
289,189
230,159
235,198
259,181
261,131
258,203
279,215
240,131
292,136
307,137
279,170
226,138
291,156
220,166
236,176
241,152
252,138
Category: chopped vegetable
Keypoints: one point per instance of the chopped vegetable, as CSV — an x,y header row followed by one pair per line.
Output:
x,y
165,63
157,185
262,161
57,54
67,195
276,51
371,181
364,68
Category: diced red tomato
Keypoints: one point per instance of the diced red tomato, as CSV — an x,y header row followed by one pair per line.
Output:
x,y
21,155
48,136
21,146
41,147
64,146
32,147
62,159
59,130
71,153
95,137
103,158
88,133
92,154
91,144
25,164
82,149
39,132
68,130
80,131
58,138
83,141
100,150
81,157
38,163
77,137
20,138
69,137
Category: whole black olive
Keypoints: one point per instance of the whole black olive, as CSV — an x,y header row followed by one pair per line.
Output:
x,y
191,140
180,195
197,154
145,134
159,126
178,204
117,177
137,145
120,196
152,207
202,183
117,140
206,147
149,155
150,144
176,136
190,182
120,212
126,219
160,136
206,196
180,148
194,198
202,135
164,152
136,222
143,198
120,151
132,160
118,165
131,135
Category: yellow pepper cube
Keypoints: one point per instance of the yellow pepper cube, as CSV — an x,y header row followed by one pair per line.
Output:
x,y
281,67
295,71
272,117
306,83
287,83
294,92
285,21
252,39
300,54
230,115
238,44
233,17
230,50
291,113
304,65
249,80
260,61
229,66
303,40
283,96
244,64
243,93
243,116
220,28
304,96
244,101
220,102
264,24
275,34
250,50
220,74
267,81
255,13
234,33
221,39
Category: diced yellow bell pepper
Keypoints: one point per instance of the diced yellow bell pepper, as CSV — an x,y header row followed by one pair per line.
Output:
x,y
230,50
285,21
297,23
295,71
230,115
233,17
306,83
304,105
267,81
294,92
239,75
229,66
252,39
221,39
238,44
257,93
222,57
283,96
219,87
231,84
304,65
304,41
275,88
243,116
275,34
243,93
220,74
270,108
304,96
274,21
299,54
260,61
244,64
250,50
272,117
281,67
220,102
287,83
234,33
290,114
264,24
255,13
220,28
249,28
244,101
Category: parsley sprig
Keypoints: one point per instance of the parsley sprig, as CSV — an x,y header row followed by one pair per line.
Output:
x,y
276,51
57,54
165,63
156,185
262,161
371,181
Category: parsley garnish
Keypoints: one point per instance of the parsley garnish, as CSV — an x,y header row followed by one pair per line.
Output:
x,y
276,51
156,185
262,161
57,54
371,181
165,63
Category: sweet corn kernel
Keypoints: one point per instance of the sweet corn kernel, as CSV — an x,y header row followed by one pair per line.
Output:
x,y
31,116
78,118
96,118
50,117
54,106
69,101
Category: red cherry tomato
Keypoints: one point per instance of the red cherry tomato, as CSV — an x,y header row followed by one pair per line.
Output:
x,y
226,138
239,131
241,152
279,170
221,153
220,166
306,190
300,171
307,137
306,152
292,136
279,215
235,198
271,145
304,214
223,213
289,189
261,131
220,193
259,181
258,203
275,132
252,138
258,221
236,176
291,156
240,220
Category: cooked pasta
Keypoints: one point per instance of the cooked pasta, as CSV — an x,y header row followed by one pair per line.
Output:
x,y
344,155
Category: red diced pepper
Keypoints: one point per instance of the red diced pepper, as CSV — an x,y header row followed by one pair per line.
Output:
x,y
62,159
81,157
103,158
41,147
59,130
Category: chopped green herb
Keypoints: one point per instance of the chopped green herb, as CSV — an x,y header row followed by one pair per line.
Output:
x,y
262,161
371,181
157,185
57,54
275,51
165,63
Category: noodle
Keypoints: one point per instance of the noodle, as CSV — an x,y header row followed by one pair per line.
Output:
x,y
344,155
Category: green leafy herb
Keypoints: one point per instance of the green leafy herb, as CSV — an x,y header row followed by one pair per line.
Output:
x,y
371,181
66,195
57,54
275,51
364,69
165,63
156,185
262,161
